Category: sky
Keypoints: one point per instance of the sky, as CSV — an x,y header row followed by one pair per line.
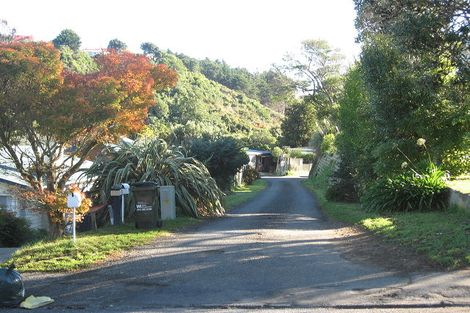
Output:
x,y
245,33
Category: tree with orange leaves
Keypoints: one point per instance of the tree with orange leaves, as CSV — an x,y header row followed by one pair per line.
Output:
x,y
52,119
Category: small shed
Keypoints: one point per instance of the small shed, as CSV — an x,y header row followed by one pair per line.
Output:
x,y
261,160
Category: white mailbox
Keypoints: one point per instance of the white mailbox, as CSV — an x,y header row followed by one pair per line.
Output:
x,y
125,189
74,200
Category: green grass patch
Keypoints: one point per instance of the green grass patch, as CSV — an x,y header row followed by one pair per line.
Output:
x,y
444,237
244,193
460,184
92,247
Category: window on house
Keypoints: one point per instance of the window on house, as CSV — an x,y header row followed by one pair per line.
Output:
x,y
8,202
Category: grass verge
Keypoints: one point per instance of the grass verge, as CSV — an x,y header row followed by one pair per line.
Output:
x,y
444,237
461,184
92,247
244,193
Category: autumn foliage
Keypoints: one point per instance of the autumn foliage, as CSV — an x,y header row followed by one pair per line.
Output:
x,y
55,204
51,118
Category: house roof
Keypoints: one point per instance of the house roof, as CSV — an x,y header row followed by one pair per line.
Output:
x,y
11,176
258,152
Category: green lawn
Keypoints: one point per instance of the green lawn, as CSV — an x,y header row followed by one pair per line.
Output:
x,y
91,247
444,237
461,184
244,193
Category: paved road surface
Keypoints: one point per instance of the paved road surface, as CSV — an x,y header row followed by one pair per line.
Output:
x,y
277,252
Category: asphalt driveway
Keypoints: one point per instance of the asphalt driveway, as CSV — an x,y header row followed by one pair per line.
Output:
x,y
277,251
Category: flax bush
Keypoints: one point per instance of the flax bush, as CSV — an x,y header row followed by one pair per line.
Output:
x,y
410,191
196,192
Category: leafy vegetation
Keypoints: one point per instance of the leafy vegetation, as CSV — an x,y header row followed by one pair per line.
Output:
x,y
117,45
198,106
244,193
308,157
250,175
196,192
272,88
223,157
411,82
457,161
77,61
414,68
50,110
14,231
441,236
91,248
67,38
425,191
319,80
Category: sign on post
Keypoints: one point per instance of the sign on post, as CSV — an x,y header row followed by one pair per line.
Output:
x,y
74,199
124,191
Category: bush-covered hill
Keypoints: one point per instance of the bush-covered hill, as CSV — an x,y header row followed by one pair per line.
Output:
x,y
198,106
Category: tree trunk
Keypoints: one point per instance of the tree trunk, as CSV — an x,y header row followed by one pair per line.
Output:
x,y
55,230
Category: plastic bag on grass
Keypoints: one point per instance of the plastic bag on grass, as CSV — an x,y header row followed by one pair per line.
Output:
x,y
11,287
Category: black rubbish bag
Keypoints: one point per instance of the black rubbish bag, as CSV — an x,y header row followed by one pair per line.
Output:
x,y
11,287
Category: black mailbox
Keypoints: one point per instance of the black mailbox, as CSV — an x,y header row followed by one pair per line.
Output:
x,y
147,208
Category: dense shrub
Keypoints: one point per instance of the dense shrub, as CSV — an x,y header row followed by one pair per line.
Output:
x,y
328,144
342,185
14,231
223,158
408,192
308,157
250,175
457,162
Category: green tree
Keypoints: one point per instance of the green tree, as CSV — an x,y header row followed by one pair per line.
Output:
x,y
355,139
299,124
318,71
438,27
275,90
152,51
77,61
68,38
117,45
415,61
272,88
52,119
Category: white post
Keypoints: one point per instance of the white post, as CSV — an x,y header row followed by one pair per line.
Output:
x,y
73,201
122,209
74,227
124,191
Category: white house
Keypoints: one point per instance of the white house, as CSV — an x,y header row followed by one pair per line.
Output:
x,y
10,179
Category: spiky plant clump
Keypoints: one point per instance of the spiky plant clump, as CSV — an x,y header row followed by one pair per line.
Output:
x,y
196,192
